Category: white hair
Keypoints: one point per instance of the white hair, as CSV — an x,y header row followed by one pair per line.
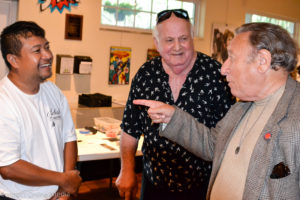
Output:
x,y
155,32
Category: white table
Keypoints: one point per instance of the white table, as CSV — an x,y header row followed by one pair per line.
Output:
x,y
99,147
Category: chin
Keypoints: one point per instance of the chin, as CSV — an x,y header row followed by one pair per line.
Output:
x,y
45,77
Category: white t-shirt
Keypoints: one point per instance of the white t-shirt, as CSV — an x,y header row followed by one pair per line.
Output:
x,y
33,128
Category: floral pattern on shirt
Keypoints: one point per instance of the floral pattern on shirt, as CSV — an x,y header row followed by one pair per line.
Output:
x,y
203,94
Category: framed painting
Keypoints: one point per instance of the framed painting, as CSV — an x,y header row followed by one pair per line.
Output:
x,y
73,27
119,65
222,34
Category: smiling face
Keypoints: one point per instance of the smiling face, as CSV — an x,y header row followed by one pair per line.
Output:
x,y
175,43
35,59
240,68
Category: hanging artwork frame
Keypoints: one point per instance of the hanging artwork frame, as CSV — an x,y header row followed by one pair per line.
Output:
x,y
73,27
222,34
119,65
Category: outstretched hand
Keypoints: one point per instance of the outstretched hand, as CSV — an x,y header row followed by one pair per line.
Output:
x,y
158,111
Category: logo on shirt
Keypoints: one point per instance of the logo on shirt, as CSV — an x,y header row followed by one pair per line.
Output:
x,y
54,115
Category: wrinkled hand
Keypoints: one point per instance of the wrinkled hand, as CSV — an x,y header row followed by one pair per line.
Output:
x,y
71,182
127,185
158,111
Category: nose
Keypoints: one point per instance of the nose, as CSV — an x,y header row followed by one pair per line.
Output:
x,y
177,45
47,54
225,68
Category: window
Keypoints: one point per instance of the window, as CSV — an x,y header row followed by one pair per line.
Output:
x,y
288,25
139,14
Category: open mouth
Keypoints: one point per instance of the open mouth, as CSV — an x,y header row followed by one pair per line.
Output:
x,y
45,65
177,54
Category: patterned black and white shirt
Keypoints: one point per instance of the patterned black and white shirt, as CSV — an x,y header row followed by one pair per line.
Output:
x,y
204,95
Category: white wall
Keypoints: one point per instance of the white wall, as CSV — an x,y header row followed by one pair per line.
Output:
x,y
96,43
8,15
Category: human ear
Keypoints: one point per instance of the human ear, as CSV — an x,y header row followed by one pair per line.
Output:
x,y
265,58
155,42
11,59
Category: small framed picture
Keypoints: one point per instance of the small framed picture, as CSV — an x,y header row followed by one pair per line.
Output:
x,y
119,65
73,28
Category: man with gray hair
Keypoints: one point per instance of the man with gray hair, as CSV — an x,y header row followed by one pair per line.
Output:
x,y
182,77
255,147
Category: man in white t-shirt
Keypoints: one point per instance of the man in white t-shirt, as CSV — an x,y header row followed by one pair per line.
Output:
x,y
38,149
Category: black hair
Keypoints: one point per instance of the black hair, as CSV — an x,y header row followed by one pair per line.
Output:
x,y
10,37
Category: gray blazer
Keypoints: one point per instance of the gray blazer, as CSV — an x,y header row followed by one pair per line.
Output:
x,y
283,146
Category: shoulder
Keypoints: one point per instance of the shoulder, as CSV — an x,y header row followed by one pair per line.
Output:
x,y
205,65
205,59
151,65
292,89
7,89
8,97
207,69
4,82
149,69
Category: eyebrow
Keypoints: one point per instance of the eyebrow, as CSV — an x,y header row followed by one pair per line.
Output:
x,y
39,45
36,46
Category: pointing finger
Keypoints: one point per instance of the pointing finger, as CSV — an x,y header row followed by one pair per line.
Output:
x,y
148,103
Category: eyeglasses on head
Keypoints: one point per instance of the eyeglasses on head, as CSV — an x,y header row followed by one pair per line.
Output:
x,y
166,14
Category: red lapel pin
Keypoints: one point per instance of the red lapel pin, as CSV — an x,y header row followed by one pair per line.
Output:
x,y
267,136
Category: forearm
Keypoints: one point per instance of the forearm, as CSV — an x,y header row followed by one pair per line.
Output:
x,y
126,181
128,146
29,174
70,155
70,159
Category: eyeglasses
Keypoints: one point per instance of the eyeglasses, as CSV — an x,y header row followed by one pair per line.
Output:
x,y
166,14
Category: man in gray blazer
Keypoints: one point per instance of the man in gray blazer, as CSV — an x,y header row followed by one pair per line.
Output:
x,y
255,148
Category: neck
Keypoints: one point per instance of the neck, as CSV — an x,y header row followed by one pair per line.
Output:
x,y
271,85
176,80
28,86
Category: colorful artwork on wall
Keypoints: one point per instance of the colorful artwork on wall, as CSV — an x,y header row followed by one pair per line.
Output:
x,y
152,53
119,65
59,5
